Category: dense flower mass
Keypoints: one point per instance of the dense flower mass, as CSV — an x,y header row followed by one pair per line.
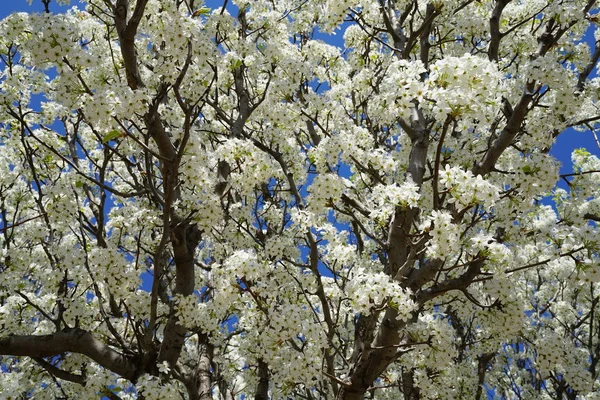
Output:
x,y
313,199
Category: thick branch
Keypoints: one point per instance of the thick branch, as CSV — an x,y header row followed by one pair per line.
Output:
x,y
588,68
461,282
394,28
508,134
201,384
262,388
185,239
592,217
70,340
59,373
426,272
183,235
127,32
409,389
436,170
376,357
482,364
398,242
495,35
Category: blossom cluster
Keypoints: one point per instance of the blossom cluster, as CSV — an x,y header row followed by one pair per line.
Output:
x,y
467,189
369,291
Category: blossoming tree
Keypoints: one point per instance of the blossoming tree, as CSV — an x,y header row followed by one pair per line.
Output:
x,y
211,203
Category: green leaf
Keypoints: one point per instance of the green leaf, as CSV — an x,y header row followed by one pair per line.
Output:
x,y
236,64
201,11
112,135
79,184
581,152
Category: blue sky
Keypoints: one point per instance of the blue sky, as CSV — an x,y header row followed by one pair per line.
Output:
x,y
7,7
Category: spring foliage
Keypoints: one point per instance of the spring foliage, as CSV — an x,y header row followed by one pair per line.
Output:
x,y
218,201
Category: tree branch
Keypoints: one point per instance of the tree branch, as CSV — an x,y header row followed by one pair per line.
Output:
x,y
510,131
592,217
127,32
72,340
588,68
262,387
460,282
482,364
59,373
495,35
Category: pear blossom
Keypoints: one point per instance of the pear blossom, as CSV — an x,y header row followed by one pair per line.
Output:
x,y
300,199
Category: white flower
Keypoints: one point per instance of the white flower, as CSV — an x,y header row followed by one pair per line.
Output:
x,y
164,368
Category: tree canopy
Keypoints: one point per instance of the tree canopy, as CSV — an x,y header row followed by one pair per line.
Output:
x,y
222,202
